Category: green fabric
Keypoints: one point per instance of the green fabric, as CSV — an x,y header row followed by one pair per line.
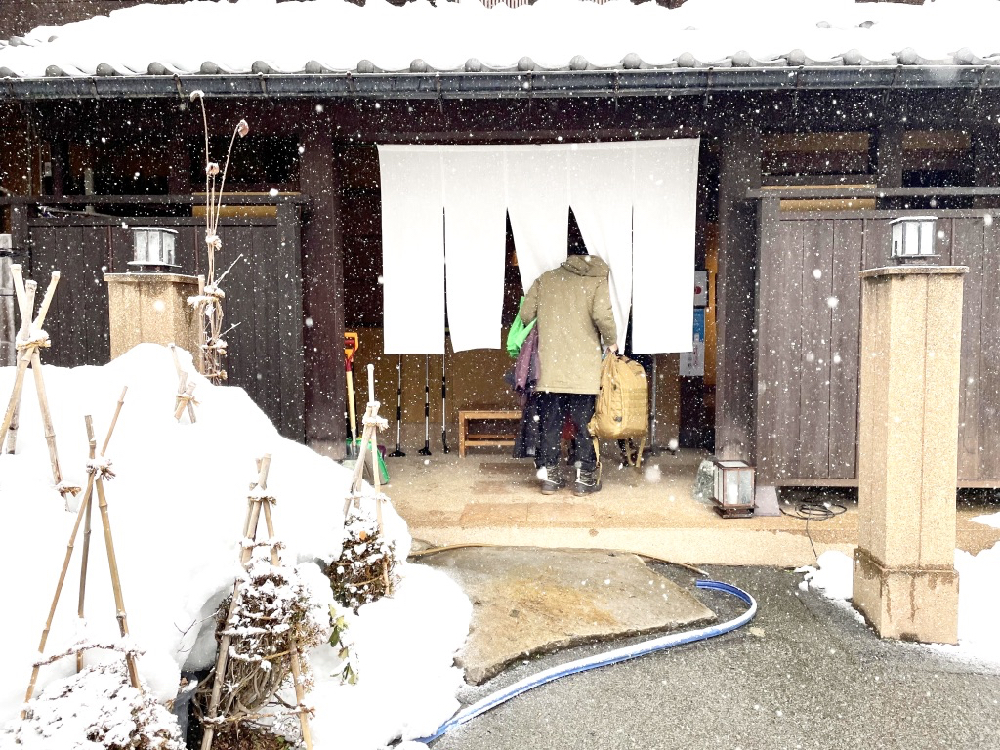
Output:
x,y
518,333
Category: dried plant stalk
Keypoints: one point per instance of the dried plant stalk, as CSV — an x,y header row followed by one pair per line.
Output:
x,y
208,303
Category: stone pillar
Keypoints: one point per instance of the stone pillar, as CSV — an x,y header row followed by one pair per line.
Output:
x,y
152,308
905,582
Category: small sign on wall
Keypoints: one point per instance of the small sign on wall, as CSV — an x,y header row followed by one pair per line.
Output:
x,y
701,288
693,362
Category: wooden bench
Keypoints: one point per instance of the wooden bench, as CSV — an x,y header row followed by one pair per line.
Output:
x,y
493,437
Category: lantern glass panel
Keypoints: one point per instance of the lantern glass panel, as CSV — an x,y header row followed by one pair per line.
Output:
x,y
746,487
139,251
927,237
168,248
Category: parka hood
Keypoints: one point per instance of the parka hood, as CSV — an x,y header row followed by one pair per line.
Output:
x,y
586,265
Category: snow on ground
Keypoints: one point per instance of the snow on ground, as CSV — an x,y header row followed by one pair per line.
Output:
x,y
288,35
176,508
978,606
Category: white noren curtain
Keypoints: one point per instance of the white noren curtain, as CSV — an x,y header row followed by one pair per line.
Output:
x,y
600,195
412,249
475,244
666,192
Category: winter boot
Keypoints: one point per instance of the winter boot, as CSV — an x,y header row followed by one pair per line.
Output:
x,y
554,480
587,482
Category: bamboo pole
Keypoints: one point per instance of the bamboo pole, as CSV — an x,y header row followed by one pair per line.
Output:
x,y
116,586
300,697
200,312
50,292
43,404
85,552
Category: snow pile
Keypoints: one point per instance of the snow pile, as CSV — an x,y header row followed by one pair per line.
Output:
x,y
990,520
978,605
176,507
287,35
833,576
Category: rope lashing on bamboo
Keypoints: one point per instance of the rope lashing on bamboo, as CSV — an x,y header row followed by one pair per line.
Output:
x,y
84,646
100,468
380,422
185,401
37,339
70,488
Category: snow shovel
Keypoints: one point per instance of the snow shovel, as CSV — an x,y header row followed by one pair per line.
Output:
x,y
350,348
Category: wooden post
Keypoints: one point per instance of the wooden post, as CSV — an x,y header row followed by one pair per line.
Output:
x,y
8,343
323,295
12,417
739,170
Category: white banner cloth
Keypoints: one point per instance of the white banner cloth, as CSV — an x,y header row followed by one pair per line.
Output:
x,y
475,244
600,194
666,193
412,249
538,205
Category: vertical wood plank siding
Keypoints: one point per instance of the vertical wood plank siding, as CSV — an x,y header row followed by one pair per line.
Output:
x,y
809,320
263,297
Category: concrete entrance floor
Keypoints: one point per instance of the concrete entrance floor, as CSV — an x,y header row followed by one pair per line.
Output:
x,y
489,498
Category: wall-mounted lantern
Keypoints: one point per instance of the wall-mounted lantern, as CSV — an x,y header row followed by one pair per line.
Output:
x,y
913,239
734,488
154,249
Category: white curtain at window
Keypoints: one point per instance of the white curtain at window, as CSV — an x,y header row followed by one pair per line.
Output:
x,y
538,204
600,194
475,243
412,249
666,187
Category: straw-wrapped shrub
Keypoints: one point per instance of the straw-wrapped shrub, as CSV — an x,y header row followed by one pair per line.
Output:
x,y
273,616
97,708
365,570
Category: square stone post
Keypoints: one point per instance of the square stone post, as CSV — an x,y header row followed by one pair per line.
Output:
x,y
152,308
905,583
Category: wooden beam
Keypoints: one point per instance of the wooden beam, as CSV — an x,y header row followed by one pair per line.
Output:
x,y
323,275
739,170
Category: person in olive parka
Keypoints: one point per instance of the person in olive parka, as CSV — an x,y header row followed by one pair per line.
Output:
x,y
572,306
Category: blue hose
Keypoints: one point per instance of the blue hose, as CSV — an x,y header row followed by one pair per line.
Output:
x,y
610,657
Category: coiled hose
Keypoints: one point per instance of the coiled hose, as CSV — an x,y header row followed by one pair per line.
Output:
x,y
610,657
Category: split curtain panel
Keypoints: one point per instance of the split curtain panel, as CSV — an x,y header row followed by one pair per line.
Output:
x,y
444,230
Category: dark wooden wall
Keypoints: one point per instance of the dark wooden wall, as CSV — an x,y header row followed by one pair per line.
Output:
x,y
809,324
264,296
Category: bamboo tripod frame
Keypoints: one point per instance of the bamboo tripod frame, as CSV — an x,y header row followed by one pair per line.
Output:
x,y
372,422
30,339
185,391
95,480
257,502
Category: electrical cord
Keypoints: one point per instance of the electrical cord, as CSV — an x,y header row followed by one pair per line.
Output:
x,y
813,508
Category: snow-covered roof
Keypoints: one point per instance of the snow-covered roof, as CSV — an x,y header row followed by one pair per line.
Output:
x,y
335,36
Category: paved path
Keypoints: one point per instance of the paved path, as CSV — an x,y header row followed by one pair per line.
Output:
x,y
804,674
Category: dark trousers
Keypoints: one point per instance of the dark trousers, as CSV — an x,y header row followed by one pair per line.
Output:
x,y
554,409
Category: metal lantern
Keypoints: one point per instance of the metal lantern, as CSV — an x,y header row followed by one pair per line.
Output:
x,y
734,488
913,238
154,248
